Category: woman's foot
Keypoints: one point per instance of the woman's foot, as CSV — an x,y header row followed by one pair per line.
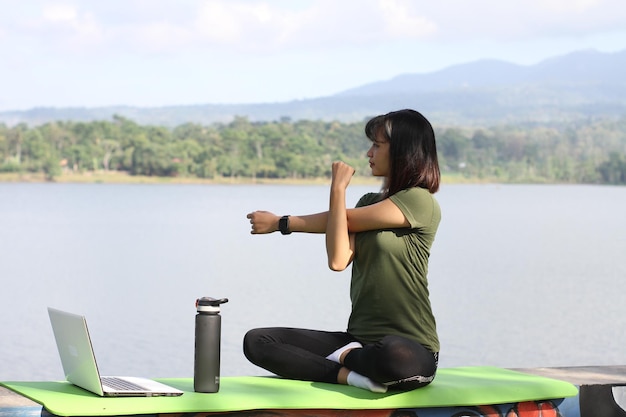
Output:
x,y
357,380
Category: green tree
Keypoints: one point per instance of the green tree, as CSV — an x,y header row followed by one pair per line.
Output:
x,y
613,171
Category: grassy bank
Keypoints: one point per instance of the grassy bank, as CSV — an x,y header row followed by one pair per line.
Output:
x,y
116,177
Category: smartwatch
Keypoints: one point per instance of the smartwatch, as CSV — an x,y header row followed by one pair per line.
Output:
x,y
283,225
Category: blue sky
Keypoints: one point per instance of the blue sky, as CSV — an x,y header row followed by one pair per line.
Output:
x,y
151,53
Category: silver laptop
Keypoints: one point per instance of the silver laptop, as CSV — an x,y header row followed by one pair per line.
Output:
x,y
79,362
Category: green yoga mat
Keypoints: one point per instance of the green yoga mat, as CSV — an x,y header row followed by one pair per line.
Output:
x,y
463,386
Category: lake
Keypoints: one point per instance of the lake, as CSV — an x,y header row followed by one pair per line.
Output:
x,y
520,275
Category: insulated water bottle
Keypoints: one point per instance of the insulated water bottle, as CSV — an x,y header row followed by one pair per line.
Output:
x,y
206,373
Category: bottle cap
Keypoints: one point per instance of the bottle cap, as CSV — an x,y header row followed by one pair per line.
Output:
x,y
209,304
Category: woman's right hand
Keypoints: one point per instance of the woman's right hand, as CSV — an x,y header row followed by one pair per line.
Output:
x,y
342,174
263,222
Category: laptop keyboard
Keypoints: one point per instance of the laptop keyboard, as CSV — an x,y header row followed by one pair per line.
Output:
x,y
120,384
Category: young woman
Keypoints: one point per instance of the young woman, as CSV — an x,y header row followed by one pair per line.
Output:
x,y
391,340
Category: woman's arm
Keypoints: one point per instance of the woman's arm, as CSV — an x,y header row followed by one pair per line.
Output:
x,y
265,222
339,240
382,215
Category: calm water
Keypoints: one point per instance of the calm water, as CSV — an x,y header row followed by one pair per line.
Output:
x,y
520,275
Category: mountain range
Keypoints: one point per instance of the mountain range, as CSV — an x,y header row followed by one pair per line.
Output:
x,y
583,84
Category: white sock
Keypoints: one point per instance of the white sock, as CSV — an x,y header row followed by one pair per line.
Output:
x,y
337,354
360,381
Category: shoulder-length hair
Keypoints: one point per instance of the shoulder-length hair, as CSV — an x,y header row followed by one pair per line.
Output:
x,y
412,150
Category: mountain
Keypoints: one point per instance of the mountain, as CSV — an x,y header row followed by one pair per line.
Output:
x,y
584,67
585,84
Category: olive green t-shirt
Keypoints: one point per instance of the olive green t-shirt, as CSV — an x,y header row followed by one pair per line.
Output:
x,y
389,288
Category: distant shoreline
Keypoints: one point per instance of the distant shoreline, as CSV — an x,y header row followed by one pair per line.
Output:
x,y
116,177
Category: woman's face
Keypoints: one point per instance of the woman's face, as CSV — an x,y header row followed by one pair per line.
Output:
x,y
378,155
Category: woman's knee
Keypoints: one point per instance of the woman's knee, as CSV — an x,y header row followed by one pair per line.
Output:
x,y
405,363
253,341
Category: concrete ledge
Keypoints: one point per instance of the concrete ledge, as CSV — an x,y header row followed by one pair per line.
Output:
x,y
601,389
583,375
9,398
15,405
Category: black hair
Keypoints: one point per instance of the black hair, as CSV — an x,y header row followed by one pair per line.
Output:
x,y
412,150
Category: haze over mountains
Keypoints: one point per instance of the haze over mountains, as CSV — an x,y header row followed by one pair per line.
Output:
x,y
582,84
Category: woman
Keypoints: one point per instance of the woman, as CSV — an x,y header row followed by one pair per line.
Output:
x,y
391,341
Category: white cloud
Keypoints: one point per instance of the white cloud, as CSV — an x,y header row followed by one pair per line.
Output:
x,y
401,22
322,23
156,36
526,19
569,6
67,18
249,26
59,13
266,26
163,51
219,22
260,26
59,25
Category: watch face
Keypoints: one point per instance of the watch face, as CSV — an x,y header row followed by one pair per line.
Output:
x,y
283,225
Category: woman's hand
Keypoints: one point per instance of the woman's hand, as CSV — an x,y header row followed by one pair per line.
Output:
x,y
342,174
263,222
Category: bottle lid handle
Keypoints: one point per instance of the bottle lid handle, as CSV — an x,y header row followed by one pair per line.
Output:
x,y
209,303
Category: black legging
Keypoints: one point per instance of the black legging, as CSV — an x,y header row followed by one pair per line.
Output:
x,y
395,361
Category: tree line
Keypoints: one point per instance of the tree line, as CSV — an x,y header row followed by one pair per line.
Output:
x,y
586,151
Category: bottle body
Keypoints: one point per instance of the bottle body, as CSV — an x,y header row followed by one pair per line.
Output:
x,y
207,352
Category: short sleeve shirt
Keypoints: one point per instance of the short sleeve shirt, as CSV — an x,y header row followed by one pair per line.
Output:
x,y
389,286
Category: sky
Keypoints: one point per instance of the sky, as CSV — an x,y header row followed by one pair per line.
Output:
x,y
153,53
